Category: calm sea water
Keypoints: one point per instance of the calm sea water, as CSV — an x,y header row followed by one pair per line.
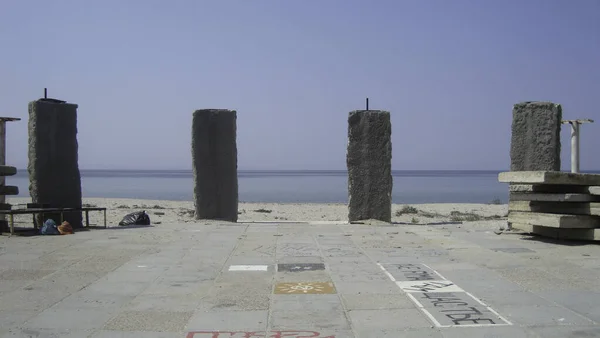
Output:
x,y
289,186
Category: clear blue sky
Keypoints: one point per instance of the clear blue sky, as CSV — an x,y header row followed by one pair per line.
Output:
x,y
449,72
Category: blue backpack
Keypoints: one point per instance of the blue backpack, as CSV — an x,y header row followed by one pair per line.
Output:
x,y
49,228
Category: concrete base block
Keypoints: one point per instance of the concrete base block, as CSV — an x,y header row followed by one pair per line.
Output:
x,y
554,220
594,190
369,162
542,197
556,233
592,209
549,177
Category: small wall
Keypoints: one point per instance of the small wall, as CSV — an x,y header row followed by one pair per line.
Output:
x,y
369,162
535,143
214,156
54,177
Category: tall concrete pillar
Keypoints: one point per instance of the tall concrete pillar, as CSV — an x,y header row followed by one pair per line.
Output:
x,y
535,143
214,156
54,177
369,162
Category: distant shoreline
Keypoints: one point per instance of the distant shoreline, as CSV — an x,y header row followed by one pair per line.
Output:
x,y
172,212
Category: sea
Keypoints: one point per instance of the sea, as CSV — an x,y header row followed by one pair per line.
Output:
x,y
290,186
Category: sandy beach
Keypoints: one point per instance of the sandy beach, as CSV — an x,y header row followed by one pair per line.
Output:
x,y
170,212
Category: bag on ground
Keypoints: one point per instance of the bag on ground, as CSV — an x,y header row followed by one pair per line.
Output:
x,y
136,218
65,228
49,228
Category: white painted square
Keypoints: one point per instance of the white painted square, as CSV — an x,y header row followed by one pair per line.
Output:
x,y
429,286
248,268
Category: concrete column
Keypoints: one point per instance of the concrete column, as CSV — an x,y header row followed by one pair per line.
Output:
x,y
2,162
369,162
214,157
575,147
535,143
54,177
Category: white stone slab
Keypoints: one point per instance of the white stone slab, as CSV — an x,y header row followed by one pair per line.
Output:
x,y
549,188
548,177
543,197
248,268
554,220
571,208
557,233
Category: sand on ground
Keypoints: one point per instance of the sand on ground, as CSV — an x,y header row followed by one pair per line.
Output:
x,y
169,212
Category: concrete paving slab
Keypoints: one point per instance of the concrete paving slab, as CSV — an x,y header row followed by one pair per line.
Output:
x,y
534,315
157,276
135,334
23,274
301,259
390,333
229,321
47,333
31,299
236,299
71,318
299,267
372,287
158,321
87,299
584,303
391,319
11,318
373,301
290,277
487,332
566,331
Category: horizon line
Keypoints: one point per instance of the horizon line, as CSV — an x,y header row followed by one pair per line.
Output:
x,y
311,170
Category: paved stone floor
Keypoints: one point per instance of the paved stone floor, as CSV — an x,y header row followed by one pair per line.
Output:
x,y
298,280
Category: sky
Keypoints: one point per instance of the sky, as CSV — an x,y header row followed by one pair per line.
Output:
x,y
449,72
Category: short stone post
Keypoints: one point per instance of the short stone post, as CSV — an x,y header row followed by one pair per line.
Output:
x,y
535,143
54,177
369,162
214,157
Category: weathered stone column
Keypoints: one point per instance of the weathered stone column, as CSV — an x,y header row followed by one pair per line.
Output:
x,y
214,156
535,143
535,140
54,177
369,162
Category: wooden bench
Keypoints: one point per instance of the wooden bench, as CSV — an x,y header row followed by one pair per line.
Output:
x,y
42,211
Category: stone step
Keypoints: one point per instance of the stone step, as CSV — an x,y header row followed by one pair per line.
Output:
x,y
573,208
8,190
6,170
557,233
548,177
550,188
595,190
554,220
543,197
